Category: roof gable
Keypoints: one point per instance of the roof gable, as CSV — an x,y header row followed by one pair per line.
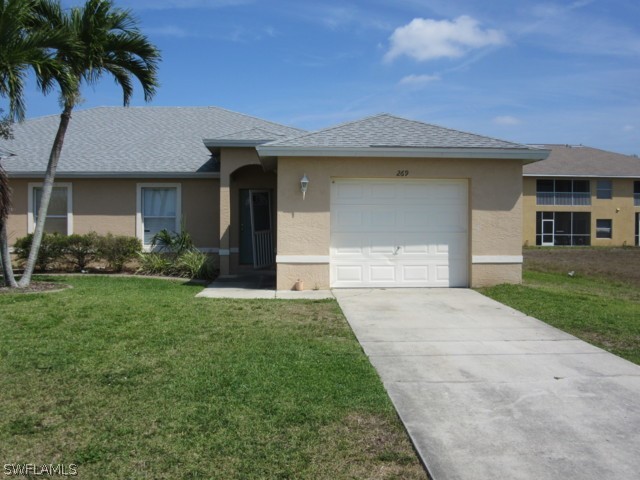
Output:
x,y
386,135
386,130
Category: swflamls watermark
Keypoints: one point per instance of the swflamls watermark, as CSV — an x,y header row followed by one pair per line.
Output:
x,y
24,469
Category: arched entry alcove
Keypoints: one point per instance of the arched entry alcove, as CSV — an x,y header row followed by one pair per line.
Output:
x,y
253,219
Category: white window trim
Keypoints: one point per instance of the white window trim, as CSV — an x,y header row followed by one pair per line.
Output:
x,y
31,215
139,225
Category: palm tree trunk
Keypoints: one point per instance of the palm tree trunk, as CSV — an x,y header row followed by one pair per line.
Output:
x,y
47,188
5,206
7,268
5,193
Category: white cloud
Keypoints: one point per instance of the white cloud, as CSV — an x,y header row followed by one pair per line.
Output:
x,y
418,80
628,128
426,39
338,17
168,31
506,120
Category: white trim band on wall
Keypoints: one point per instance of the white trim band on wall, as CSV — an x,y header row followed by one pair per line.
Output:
x,y
224,252
497,259
302,259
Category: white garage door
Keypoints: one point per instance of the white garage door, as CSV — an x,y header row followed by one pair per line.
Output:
x,y
399,233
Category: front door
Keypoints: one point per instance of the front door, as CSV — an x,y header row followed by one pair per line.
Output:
x,y
547,232
256,234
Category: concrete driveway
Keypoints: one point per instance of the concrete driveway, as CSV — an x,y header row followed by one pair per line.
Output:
x,y
487,392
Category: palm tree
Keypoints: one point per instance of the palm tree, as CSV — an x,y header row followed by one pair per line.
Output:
x,y
26,48
23,49
105,40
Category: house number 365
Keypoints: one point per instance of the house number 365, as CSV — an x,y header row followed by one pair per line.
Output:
x,y
402,173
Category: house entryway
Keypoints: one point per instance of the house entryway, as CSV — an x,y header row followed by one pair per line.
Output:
x,y
256,229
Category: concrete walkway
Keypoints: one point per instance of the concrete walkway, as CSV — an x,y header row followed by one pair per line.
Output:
x,y
257,285
486,392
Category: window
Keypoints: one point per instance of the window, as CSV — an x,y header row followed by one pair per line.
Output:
x,y
603,228
563,192
604,190
59,214
636,193
158,208
563,228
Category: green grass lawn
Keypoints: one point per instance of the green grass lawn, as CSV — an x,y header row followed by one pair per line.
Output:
x,y
601,311
136,378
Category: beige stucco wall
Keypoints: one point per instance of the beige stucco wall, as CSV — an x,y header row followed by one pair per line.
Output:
x,y
304,226
109,205
620,209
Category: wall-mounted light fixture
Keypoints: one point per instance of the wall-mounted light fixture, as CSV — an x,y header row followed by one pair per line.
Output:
x,y
304,184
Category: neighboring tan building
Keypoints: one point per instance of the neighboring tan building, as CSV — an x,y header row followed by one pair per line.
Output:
x,y
379,202
582,196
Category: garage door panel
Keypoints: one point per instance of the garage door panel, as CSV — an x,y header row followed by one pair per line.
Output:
x,y
364,218
382,273
348,219
349,273
399,232
349,244
381,218
382,193
415,273
384,244
349,191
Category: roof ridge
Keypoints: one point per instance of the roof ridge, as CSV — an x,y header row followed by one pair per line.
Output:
x,y
333,127
477,135
257,118
184,107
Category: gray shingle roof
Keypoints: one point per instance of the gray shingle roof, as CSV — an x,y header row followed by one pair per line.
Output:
x,y
578,160
4,153
386,130
252,134
131,140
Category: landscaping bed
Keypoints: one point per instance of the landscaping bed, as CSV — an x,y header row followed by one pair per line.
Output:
x,y
136,378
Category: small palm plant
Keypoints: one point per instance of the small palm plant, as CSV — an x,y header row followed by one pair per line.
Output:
x,y
175,243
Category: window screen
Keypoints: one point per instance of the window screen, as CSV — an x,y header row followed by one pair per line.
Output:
x,y
158,211
56,221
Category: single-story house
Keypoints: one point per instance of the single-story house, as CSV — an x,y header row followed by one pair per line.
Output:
x,y
582,196
379,202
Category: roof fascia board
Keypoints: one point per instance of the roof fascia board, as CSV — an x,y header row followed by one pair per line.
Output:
x,y
117,175
212,143
488,153
564,175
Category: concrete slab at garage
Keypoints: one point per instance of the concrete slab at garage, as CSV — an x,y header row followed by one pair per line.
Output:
x,y
487,392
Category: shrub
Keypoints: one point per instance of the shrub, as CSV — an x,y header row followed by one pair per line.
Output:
x,y
82,249
118,250
154,264
195,264
173,242
51,249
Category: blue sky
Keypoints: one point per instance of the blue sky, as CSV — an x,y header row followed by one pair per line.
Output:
x,y
527,71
